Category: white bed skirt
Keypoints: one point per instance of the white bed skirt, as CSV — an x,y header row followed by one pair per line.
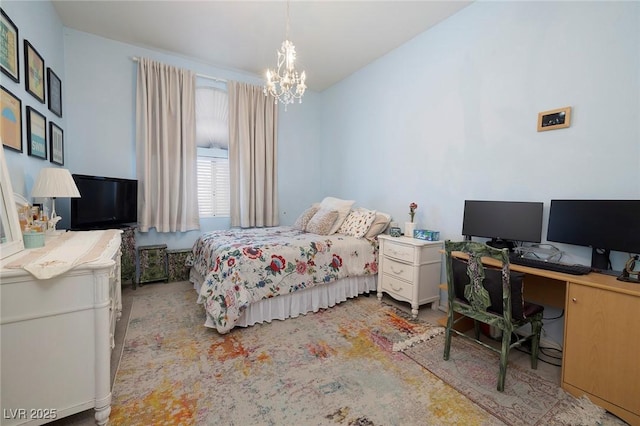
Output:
x,y
300,302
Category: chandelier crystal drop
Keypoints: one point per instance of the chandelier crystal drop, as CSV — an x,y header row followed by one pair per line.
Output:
x,y
285,83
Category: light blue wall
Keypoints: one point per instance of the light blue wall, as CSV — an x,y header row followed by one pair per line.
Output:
x,y
38,23
451,115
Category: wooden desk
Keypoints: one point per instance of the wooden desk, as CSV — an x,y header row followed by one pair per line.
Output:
x,y
601,355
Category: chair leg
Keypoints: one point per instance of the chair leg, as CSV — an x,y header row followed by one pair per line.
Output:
x,y
447,334
504,358
536,329
476,329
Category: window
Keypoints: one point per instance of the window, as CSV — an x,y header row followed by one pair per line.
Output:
x,y
212,138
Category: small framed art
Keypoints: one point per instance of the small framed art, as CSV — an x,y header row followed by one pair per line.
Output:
x,y
54,86
33,72
554,119
36,134
56,144
10,120
9,48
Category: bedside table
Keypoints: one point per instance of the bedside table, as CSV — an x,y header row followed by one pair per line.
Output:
x,y
409,270
152,264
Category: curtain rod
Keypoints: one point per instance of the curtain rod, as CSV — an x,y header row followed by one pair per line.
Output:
x,y
208,77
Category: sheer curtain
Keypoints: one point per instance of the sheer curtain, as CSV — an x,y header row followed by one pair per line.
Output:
x,y
253,162
166,148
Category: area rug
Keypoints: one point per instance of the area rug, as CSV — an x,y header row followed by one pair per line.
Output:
x,y
528,398
333,367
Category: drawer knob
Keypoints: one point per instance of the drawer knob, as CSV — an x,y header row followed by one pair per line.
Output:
x,y
574,300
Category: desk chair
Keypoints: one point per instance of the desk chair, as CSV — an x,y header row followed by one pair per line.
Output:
x,y
491,296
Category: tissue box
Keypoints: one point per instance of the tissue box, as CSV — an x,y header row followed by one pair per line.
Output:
x,y
33,239
426,234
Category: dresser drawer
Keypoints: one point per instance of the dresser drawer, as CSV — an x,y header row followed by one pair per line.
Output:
x,y
398,251
398,287
398,269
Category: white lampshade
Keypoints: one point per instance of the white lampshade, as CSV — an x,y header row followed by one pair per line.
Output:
x,y
55,182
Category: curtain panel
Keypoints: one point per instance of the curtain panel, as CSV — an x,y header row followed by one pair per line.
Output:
x,y
253,162
165,148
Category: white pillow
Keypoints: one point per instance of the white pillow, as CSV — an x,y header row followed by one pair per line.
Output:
x,y
343,207
357,223
378,226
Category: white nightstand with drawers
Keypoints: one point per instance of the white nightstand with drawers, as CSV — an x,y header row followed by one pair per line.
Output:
x,y
409,270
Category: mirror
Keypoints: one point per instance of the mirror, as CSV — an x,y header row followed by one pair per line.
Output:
x,y
10,233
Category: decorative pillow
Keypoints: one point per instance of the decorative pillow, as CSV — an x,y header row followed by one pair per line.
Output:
x,y
343,207
322,221
493,283
305,217
357,223
379,225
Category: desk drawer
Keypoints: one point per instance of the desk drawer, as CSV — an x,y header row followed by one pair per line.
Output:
x,y
398,269
396,286
398,251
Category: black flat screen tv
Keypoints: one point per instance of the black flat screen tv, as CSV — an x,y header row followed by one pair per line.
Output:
x,y
105,202
504,222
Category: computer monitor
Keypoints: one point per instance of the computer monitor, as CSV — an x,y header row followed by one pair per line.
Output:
x,y
504,222
603,225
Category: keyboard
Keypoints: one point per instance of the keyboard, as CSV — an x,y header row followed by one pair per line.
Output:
x,y
549,266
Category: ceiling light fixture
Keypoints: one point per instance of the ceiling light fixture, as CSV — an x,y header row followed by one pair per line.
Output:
x,y
285,84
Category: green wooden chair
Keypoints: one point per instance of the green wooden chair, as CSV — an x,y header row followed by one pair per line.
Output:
x,y
489,295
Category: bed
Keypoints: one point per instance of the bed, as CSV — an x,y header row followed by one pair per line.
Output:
x,y
249,276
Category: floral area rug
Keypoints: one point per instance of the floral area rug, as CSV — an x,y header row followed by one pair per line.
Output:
x,y
333,367
528,398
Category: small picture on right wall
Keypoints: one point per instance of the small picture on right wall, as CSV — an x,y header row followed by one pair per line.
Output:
x,y
554,119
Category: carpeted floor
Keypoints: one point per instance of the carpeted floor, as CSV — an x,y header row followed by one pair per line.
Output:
x,y
528,397
335,367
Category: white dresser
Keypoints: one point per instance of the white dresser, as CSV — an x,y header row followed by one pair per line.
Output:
x,y
409,270
57,333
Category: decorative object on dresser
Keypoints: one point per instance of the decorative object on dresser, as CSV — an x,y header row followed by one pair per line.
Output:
x,y
152,264
409,270
177,264
59,307
54,182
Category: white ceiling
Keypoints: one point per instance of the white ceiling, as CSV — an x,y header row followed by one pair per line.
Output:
x,y
332,38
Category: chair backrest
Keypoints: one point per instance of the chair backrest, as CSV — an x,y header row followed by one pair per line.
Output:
x,y
495,290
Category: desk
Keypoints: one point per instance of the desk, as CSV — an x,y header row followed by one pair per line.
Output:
x,y
601,355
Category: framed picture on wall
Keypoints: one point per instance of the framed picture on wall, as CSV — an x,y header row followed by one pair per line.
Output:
x,y
10,120
33,71
36,134
54,86
554,119
9,47
56,144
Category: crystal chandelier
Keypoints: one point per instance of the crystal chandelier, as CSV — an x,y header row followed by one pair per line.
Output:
x,y
285,84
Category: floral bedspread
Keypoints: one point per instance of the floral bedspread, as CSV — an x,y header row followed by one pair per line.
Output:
x,y
242,266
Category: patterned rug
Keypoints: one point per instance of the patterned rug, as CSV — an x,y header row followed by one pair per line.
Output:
x,y
334,367
528,399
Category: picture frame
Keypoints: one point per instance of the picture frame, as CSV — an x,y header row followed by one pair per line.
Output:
x,y
554,119
10,120
54,87
36,134
33,72
56,144
9,42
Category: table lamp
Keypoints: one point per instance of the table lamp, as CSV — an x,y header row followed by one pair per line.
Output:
x,y
54,182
